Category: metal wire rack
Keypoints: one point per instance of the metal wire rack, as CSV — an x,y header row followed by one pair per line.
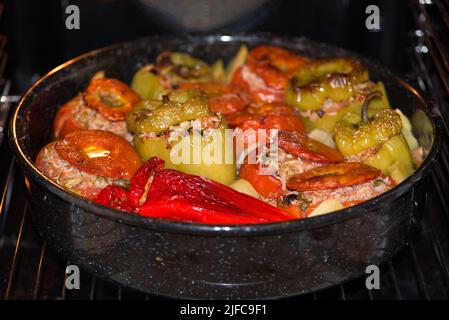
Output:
x,y
31,270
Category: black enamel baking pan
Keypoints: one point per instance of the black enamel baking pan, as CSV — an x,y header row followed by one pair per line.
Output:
x,y
205,261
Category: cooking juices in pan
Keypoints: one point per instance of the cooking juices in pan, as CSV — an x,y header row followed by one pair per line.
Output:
x,y
272,136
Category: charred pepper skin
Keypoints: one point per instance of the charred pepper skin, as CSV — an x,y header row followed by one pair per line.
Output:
x,y
324,79
154,116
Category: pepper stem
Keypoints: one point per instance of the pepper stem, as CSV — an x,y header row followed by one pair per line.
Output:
x,y
368,98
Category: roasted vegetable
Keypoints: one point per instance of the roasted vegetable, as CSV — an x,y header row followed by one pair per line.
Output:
x,y
407,131
327,206
178,106
266,116
242,185
218,71
86,161
100,153
114,197
148,84
377,140
186,149
332,176
394,159
322,136
207,155
266,73
175,68
223,98
76,115
323,79
305,148
161,193
327,121
236,62
112,98
65,120
274,65
353,136
267,186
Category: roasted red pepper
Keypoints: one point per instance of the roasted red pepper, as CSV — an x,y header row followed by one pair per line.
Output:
x,y
141,181
174,195
115,197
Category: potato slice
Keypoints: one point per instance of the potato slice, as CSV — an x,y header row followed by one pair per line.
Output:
x,y
238,60
407,131
243,186
326,206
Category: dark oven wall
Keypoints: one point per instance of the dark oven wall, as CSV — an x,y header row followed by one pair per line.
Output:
x,y
39,39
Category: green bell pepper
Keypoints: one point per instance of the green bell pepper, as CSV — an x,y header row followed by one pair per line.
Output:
x,y
208,154
380,131
328,122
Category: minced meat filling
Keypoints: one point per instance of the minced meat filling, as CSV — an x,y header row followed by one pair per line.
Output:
x,y
92,120
68,176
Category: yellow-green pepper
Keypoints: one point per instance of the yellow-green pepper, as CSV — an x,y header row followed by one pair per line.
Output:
x,y
328,121
206,154
219,171
147,83
177,107
380,131
324,79
177,68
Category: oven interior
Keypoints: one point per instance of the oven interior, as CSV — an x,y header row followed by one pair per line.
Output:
x,y
31,270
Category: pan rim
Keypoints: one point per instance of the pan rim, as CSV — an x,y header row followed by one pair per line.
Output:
x,y
267,229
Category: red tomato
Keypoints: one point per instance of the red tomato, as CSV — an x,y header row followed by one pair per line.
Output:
x,y
267,72
260,92
274,65
302,146
65,121
333,176
267,186
100,153
111,98
224,99
267,116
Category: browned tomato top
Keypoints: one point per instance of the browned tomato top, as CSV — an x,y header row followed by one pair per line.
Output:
x,y
111,98
223,98
274,65
267,116
333,176
306,148
100,153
